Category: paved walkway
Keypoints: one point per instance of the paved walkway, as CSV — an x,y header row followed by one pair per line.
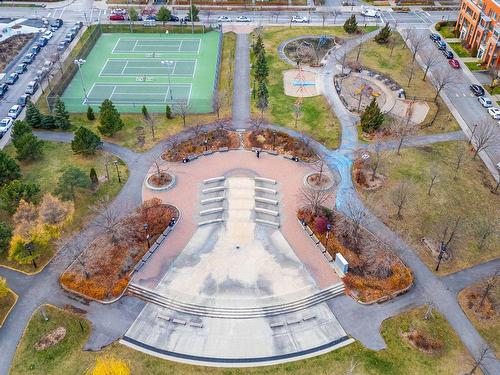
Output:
x,y
421,140
241,83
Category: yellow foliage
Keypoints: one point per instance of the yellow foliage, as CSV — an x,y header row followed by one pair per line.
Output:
x,y
4,289
109,366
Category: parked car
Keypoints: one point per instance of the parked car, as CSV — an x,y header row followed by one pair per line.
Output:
x,y
435,37
40,74
57,23
448,54
61,46
48,35
150,17
31,88
454,63
485,102
119,11
477,90
441,45
28,58
42,42
174,18
15,111
13,77
223,19
5,125
79,25
243,19
21,68
35,49
68,38
494,112
299,19
116,17
370,12
23,100
3,89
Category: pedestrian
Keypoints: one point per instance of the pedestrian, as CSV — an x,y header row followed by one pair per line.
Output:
x,y
258,154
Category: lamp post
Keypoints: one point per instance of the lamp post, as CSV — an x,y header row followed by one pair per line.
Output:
x,y
169,63
115,162
147,234
328,230
29,247
79,63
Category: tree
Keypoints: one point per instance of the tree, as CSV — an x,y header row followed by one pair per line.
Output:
x,y
109,118
430,58
145,112
484,229
85,142
351,25
459,154
478,359
4,288
314,199
442,78
132,14
297,111
19,129
71,179
258,46
94,180
26,216
163,15
168,112
9,170
193,13
108,218
262,98
356,218
402,128
372,118
490,285
90,114
260,68
450,230
417,43
28,147
375,159
219,100
48,122
324,17
54,212
109,366
433,176
33,116
182,109
383,35
400,197
15,191
61,116
485,137
5,236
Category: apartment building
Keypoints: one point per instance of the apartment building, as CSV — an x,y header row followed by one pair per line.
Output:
x,y
479,26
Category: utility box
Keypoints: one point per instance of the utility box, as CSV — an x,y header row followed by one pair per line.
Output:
x,y
341,264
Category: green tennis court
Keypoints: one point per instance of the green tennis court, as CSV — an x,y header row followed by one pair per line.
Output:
x,y
147,69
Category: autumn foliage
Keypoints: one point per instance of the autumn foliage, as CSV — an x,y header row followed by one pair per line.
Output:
x,y
109,366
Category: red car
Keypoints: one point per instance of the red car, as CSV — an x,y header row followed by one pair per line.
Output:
x,y
117,17
454,63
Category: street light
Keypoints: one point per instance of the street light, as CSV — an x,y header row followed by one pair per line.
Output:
x,y
169,63
328,230
147,234
115,162
79,63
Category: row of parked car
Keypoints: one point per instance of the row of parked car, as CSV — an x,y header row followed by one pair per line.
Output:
x,y
486,102
441,45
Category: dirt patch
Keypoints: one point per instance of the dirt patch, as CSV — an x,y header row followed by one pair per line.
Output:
x,y
51,339
483,308
160,180
423,341
365,179
9,48
310,50
317,181
300,84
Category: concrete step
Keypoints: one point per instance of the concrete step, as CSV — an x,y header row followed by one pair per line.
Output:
x,y
237,312
213,189
211,211
266,211
273,202
212,200
214,179
213,221
267,222
265,190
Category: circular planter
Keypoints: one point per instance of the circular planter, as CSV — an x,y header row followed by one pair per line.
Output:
x,y
151,184
326,185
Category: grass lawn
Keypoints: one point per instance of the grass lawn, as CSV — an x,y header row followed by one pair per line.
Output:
x,y
378,57
489,328
493,91
467,196
6,304
400,357
164,127
460,50
475,65
45,172
447,32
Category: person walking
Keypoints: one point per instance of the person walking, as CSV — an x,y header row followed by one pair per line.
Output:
x,y
257,153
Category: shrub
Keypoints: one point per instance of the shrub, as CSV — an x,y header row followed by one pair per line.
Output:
x,y
85,142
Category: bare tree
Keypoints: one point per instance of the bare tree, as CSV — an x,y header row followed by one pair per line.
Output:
x,y
402,128
182,109
411,70
159,163
442,78
314,199
430,58
450,230
360,45
485,137
375,159
172,145
297,110
493,73
478,359
257,123
459,155
197,130
490,284
400,197
219,101
152,124
417,43
484,229
428,312
108,218
433,175
324,17
352,367
335,13
357,217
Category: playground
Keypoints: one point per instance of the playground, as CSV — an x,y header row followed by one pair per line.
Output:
x,y
154,70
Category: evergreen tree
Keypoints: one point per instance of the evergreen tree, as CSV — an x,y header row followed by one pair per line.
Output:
x,y
350,25
372,118
61,116
258,46
12,193
145,112
163,15
5,236
193,13
94,181
168,112
28,147
33,116
132,14
261,70
90,114
20,128
9,170
48,122
262,97
109,118
383,35
85,142
71,179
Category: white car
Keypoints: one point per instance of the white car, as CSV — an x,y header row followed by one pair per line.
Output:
x,y
485,102
48,35
299,19
370,12
223,19
243,19
5,124
14,111
494,112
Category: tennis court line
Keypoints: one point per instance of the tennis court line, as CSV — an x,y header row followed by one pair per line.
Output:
x,y
135,45
116,44
85,100
124,67
161,43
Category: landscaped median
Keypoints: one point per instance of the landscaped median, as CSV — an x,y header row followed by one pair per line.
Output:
x,y
416,344
102,271
7,300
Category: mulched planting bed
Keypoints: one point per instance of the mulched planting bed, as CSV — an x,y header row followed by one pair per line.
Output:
x,y
280,142
102,271
375,272
309,50
423,341
9,48
196,144
159,180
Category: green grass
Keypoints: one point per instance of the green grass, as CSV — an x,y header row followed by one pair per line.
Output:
x,y
475,65
399,358
447,32
460,50
493,91
46,171
468,196
6,304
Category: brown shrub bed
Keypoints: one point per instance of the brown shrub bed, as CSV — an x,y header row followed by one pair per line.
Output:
x,y
102,271
423,341
159,180
9,48
375,272
281,142
200,142
487,309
